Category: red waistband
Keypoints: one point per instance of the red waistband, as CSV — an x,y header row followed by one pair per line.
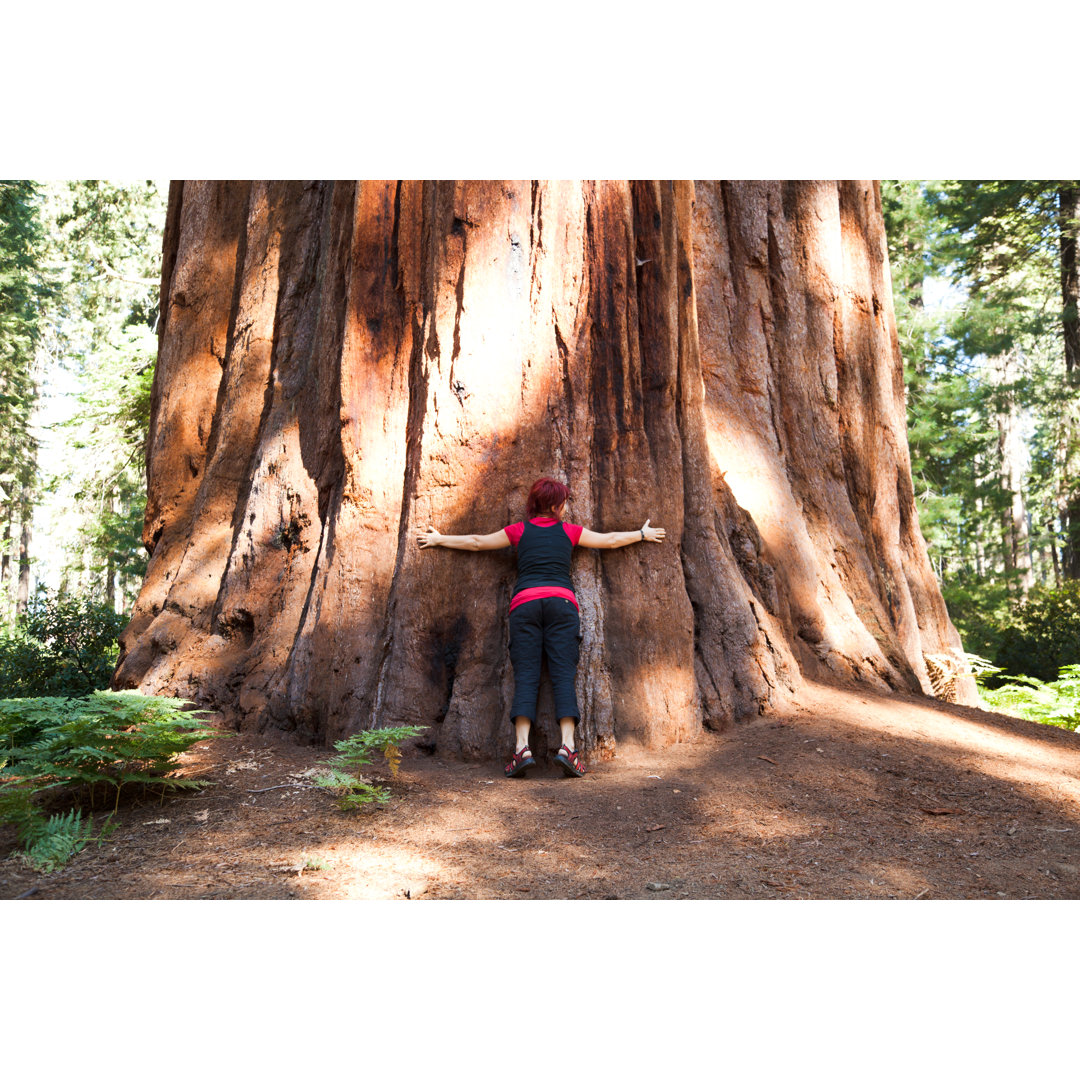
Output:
x,y
540,592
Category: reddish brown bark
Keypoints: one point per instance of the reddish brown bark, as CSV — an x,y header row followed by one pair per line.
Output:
x,y
343,363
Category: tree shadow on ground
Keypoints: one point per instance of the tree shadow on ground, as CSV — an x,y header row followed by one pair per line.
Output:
x,y
850,795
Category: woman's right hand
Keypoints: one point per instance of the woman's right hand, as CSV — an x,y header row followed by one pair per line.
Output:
x,y
655,535
429,537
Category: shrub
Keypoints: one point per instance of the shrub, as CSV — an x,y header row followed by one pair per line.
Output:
x,y
1056,703
1044,635
53,744
345,777
980,611
62,645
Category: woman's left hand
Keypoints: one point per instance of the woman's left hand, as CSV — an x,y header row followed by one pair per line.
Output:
x,y
655,535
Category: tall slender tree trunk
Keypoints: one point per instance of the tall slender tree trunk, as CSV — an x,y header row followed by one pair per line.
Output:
x,y
1068,233
1069,500
110,562
1012,465
5,557
344,363
26,515
5,564
1048,524
978,520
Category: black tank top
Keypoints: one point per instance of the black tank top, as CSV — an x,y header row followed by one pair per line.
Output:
x,y
543,557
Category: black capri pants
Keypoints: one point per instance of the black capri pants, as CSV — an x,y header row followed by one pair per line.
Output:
x,y
550,626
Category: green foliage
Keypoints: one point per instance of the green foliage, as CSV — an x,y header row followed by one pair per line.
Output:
x,y
992,415
104,240
913,242
1000,240
344,775
1002,237
25,287
980,610
49,842
1044,634
105,472
107,737
1056,703
353,791
950,431
56,744
17,805
63,645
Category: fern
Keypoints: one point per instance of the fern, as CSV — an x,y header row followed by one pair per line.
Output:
x,y
114,738
393,759
1055,703
76,744
344,771
49,843
17,806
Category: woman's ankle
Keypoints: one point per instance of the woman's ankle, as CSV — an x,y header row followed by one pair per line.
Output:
x,y
567,730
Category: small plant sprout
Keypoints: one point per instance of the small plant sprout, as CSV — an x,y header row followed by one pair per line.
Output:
x,y
344,774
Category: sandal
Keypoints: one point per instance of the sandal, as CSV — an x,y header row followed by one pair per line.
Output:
x,y
570,761
519,762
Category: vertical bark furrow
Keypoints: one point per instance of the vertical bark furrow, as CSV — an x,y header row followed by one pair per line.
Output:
x,y
169,246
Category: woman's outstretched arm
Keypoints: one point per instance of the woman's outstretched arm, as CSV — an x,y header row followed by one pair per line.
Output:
x,y
431,537
592,539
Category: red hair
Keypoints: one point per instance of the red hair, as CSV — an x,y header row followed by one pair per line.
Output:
x,y
545,497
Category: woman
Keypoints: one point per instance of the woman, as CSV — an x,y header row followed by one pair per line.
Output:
x,y
543,609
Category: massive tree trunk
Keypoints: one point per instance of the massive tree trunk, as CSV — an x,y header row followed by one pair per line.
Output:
x,y
344,363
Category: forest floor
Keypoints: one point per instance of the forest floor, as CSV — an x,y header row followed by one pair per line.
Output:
x,y
849,795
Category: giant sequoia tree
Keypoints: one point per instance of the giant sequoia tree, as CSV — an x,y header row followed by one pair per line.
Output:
x,y
343,363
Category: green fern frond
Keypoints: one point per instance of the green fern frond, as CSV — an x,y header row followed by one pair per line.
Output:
x,y
112,738
17,806
335,778
361,794
48,844
343,774
1055,703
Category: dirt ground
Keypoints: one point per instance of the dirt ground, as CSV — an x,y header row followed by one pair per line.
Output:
x,y
851,795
